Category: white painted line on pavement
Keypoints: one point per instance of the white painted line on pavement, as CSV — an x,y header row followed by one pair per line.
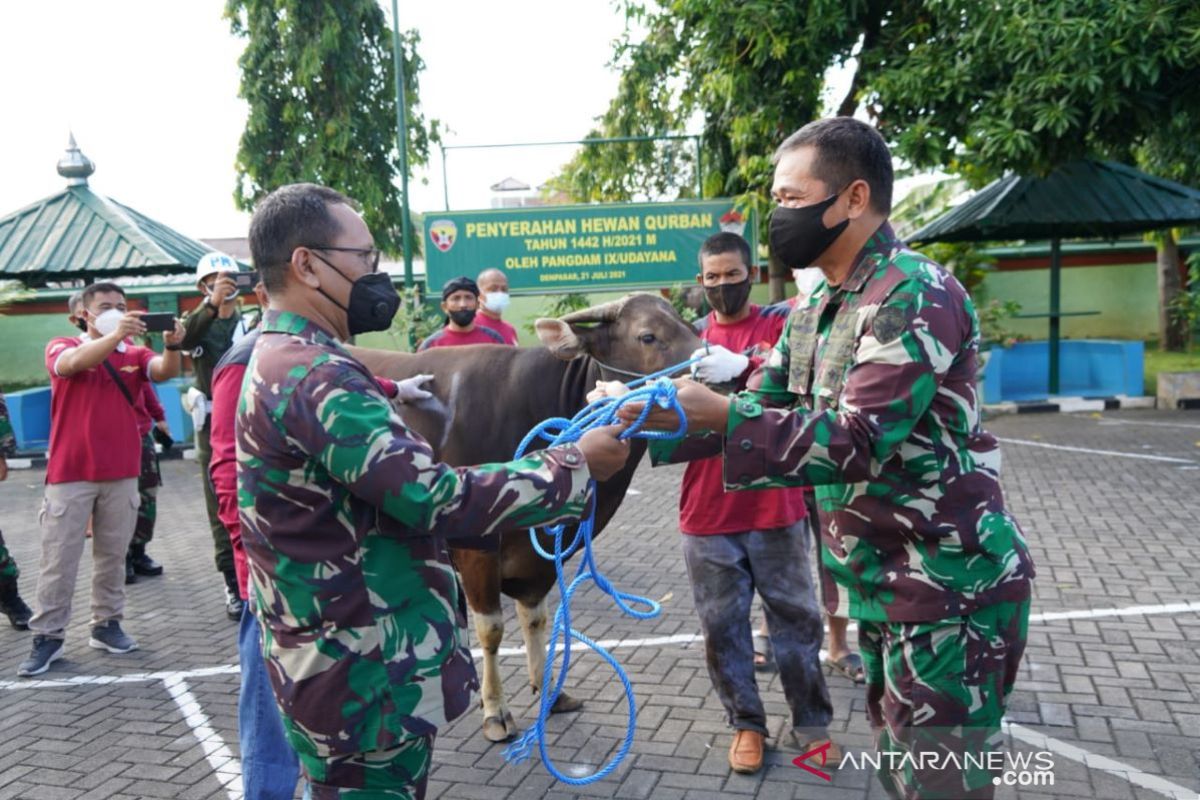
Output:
x,y
1188,607
228,770
133,677
1116,453
1107,422
1103,763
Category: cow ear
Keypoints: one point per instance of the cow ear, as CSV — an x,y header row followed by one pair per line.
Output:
x,y
560,338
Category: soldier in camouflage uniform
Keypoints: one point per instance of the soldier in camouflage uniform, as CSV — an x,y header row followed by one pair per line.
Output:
x,y
870,396
343,510
11,604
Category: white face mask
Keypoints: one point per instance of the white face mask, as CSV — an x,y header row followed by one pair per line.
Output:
x,y
807,280
496,301
107,322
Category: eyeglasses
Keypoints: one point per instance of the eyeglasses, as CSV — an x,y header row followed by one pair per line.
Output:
x,y
369,255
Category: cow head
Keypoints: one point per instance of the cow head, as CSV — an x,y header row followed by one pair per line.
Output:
x,y
639,334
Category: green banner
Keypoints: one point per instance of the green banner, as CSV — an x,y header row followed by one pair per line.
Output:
x,y
547,249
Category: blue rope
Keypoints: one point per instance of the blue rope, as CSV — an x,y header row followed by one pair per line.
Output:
x,y
657,392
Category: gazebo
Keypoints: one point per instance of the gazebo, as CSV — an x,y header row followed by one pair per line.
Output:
x,y
79,235
1081,199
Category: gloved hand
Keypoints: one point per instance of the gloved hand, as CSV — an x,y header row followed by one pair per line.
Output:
x,y
719,366
409,390
607,389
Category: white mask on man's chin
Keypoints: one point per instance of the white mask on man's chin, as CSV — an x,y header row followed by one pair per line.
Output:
x,y
807,280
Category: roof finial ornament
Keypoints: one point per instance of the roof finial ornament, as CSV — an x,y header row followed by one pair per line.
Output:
x,y
74,165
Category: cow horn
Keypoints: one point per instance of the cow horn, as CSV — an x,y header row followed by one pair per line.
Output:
x,y
608,312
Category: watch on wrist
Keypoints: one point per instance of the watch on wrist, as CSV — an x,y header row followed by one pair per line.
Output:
x,y
172,347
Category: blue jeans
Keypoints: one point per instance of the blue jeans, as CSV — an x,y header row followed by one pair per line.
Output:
x,y
270,767
725,570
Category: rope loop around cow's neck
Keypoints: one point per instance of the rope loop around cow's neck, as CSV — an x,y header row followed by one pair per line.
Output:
x,y
657,392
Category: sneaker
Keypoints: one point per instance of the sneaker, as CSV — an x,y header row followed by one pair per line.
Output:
x,y
233,604
13,607
110,637
46,651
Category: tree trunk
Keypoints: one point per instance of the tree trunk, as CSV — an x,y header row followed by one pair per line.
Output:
x,y
779,275
1171,335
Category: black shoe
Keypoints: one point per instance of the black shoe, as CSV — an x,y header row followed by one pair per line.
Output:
x,y
142,563
13,607
130,575
233,600
45,652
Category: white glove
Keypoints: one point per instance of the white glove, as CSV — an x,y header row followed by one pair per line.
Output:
x,y
719,366
607,389
409,389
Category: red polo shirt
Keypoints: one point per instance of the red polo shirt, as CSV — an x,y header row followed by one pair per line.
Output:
x,y
704,505
93,428
507,332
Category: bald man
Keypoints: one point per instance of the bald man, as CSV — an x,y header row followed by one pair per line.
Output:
x,y
493,290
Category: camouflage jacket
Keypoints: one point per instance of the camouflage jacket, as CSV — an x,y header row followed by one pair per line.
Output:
x,y
8,440
363,616
870,396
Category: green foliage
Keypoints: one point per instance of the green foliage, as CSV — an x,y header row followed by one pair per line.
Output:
x,y
751,71
415,320
319,81
993,318
678,298
11,292
559,305
1025,85
1184,308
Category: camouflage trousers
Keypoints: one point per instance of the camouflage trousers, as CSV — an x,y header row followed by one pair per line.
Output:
x,y
222,548
148,482
8,565
397,774
936,693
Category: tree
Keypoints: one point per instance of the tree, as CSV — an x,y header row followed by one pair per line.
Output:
x,y
318,78
751,72
1026,85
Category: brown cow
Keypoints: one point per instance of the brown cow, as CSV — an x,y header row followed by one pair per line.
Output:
x,y
486,399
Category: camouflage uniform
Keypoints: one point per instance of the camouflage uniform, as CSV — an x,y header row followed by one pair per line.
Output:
x,y
206,338
8,446
362,613
916,541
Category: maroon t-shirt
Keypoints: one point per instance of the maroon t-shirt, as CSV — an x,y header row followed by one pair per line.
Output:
x,y
448,338
704,505
506,331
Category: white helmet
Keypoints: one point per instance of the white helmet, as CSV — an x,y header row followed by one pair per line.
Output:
x,y
213,263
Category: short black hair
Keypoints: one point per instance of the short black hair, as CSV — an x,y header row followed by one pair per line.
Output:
x,y
296,215
847,150
726,242
459,284
100,287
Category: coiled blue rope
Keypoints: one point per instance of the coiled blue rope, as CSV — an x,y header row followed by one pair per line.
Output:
x,y
656,392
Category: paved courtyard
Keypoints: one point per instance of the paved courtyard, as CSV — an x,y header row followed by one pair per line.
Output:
x,y
1110,688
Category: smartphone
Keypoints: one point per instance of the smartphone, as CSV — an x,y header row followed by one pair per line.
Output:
x,y
159,322
245,281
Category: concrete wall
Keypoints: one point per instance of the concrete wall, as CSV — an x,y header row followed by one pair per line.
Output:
x,y
1126,296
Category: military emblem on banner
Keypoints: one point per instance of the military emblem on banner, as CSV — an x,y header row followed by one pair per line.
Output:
x,y
733,222
443,232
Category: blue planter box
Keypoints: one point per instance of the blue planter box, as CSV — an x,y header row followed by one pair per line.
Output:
x,y
1087,368
30,413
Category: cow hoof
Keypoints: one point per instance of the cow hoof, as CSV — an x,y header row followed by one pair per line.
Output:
x,y
565,704
497,729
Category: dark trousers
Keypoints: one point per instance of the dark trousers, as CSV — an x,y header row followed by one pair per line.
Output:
x,y
222,549
725,570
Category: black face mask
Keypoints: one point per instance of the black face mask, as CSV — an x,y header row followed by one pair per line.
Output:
x,y
81,324
373,302
462,317
798,235
728,298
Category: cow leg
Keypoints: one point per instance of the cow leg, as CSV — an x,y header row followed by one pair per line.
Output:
x,y
534,631
498,723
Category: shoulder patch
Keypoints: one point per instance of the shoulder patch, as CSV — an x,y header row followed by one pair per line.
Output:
x,y
888,324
